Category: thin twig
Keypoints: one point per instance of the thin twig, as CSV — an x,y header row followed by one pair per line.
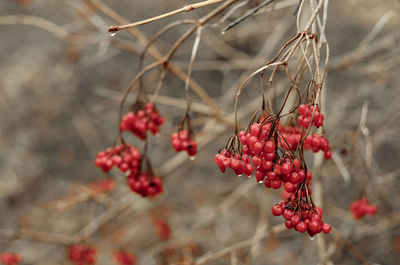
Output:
x,y
186,8
246,16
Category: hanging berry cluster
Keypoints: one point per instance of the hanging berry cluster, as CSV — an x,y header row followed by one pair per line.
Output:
x,y
361,208
142,118
125,157
275,153
300,213
183,140
145,184
306,112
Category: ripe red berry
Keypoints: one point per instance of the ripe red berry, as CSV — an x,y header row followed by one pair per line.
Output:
x,y
277,210
301,227
326,228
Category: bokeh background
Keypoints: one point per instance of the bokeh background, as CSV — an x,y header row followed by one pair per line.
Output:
x,y
62,78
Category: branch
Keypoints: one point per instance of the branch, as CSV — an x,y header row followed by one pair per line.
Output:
x,y
39,22
187,8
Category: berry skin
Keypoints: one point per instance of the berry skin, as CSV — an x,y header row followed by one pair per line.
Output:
x,y
277,210
287,214
314,226
295,220
326,228
301,227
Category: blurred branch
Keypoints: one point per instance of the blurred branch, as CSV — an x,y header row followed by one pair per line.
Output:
x,y
158,56
39,22
211,256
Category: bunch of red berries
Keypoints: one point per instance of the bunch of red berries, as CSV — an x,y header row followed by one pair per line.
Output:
x,y
8,258
284,171
306,112
255,141
301,217
122,257
125,157
361,208
316,143
147,119
145,184
240,164
181,142
82,255
291,137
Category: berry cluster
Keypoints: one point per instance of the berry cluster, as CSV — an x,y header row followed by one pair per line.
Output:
x,y
239,163
181,142
125,157
145,184
122,257
146,119
291,137
10,258
301,217
361,208
82,255
305,112
316,143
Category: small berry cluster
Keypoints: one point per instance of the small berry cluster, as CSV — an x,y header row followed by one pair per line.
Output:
x,y
125,157
291,137
8,258
240,164
181,141
145,184
306,112
82,255
316,143
122,257
146,119
361,208
302,218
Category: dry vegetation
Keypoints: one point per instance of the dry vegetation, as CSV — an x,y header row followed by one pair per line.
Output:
x,y
63,78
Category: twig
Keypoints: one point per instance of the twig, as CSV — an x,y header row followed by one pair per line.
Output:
x,y
187,8
246,16
377,28
208,257
158,56
342,168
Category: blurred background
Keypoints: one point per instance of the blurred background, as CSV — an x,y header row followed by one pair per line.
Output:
x,y
62,78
